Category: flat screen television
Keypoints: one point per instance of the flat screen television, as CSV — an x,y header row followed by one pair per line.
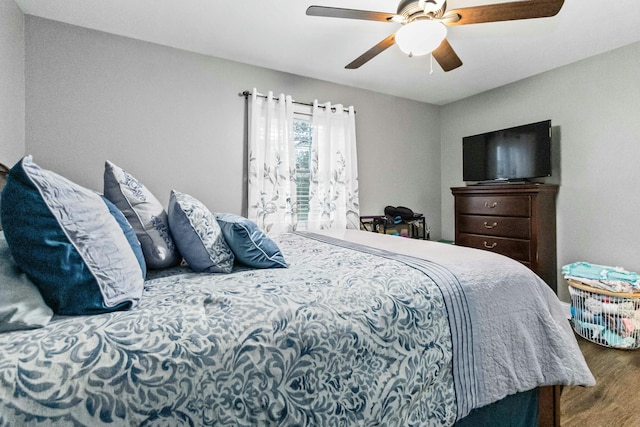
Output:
x,y
516,154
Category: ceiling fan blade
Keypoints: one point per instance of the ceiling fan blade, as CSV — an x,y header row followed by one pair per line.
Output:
x,y
505,12
446,56
336,12
371,53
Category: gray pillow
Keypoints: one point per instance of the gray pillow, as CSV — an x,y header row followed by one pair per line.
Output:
x,y
145,214
198,235
21,305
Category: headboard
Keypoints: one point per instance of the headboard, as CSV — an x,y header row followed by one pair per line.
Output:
x,y
4,171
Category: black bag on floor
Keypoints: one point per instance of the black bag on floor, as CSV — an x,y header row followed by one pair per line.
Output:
x,y
400,212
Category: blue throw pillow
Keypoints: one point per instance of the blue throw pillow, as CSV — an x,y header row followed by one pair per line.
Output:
x,y
198,235
129,233
65,239
249,244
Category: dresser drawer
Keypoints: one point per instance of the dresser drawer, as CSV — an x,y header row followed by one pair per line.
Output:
x,y
494,205
513,248
503,226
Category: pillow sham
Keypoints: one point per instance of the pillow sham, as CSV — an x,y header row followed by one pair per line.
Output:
x,y
145,214
248,243
198,235
65,239
21,305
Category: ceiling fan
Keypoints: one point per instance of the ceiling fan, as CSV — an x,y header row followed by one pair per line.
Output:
x,y
425,22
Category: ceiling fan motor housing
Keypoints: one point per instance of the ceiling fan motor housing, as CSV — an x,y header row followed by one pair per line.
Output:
x,y
410,10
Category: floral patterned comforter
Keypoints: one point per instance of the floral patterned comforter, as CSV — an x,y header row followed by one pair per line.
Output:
x,y
340,338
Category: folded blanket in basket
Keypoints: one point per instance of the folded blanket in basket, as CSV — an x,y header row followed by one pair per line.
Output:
x,y
615,279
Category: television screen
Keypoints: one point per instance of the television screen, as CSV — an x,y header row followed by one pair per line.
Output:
x,y
517,153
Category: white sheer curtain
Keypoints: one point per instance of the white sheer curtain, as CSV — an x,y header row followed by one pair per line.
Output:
x,y
272,162
333,190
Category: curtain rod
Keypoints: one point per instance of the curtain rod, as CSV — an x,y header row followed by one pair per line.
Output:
x,y
246,94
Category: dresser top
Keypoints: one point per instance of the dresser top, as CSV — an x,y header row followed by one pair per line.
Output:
x,y
515,188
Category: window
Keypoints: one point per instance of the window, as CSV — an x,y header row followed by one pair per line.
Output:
x,y
282,140
302,135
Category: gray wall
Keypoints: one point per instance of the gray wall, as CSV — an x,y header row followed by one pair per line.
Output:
x,y
174,119
12,140
595,111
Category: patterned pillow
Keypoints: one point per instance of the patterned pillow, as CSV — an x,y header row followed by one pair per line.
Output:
x,y
145,214
65,239
21,305
198,235
249,244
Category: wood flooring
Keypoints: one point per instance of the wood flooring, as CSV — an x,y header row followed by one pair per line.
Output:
x,y
615,399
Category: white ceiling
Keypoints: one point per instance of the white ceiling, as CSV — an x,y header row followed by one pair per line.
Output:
x,y
277,34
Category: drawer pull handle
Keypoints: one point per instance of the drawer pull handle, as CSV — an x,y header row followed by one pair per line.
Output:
x,y
490,205
490,226
490,246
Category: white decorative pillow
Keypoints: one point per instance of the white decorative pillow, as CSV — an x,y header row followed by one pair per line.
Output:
x,y
21,305
145,214
198,235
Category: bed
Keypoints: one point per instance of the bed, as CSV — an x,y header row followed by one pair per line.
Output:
x,y
358,329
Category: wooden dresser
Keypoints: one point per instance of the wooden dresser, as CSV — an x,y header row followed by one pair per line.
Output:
x,y
516,220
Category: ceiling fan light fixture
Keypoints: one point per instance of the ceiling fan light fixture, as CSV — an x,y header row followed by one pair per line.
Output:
x,y
420,37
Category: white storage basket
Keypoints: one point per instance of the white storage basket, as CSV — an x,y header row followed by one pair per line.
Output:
x,y
607,318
